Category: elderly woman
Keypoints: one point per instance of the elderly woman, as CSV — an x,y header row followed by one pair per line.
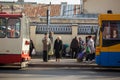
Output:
x,y
58,48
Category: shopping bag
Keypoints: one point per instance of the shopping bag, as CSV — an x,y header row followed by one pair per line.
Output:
x,y
50,52
33,52
88,50
80,57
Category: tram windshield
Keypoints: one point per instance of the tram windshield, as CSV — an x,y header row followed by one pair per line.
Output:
x,y
111,32
13,29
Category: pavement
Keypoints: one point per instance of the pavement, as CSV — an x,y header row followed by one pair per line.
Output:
x,y
65,62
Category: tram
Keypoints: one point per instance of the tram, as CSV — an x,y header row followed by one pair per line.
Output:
x,y
14,39
108,40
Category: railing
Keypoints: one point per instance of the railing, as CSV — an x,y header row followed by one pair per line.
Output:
x,y
56,28
78,16
87,28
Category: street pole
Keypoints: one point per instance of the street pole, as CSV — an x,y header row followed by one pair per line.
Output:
x,y
48,24
48,18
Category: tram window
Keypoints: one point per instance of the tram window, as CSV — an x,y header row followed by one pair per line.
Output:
x,y
2,27
111,30
13,28
111,33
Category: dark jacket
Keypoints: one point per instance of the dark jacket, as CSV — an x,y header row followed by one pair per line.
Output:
x,y
58,45
31,47
74,43
58,48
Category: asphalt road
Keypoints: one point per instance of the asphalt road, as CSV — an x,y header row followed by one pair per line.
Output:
x,y
63,73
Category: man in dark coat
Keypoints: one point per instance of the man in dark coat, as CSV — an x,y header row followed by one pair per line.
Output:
x,y
74,47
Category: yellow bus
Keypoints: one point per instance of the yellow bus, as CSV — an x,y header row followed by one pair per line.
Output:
x,y
108,40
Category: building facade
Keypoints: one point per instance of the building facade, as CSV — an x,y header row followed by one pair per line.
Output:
x,y
101,6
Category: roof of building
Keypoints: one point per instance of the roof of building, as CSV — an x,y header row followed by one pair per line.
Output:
x,y
35,10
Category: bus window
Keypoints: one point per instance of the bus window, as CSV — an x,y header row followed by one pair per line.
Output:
x,y
106,31
111,32
2,27
115,26
13,29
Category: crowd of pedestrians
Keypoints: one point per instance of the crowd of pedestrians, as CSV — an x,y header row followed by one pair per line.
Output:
x,y
79,49
83,50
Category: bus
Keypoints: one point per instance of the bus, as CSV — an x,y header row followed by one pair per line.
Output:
x,y
14,39
108,40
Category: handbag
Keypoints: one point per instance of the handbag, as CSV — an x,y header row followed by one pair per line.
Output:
x,y
33,52
88,50
50,52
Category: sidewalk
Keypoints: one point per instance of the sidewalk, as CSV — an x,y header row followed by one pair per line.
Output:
x,y
38,62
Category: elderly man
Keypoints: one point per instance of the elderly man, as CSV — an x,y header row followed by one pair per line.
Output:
x,y
46,46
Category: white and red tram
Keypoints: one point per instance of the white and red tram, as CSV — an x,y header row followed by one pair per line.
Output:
x,y
14,38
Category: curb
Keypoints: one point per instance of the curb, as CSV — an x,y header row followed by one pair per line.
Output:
x,y
63,65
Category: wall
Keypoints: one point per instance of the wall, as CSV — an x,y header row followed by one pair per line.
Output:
x,y
101,6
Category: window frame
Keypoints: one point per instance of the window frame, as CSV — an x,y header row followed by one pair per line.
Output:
x,y
14,28
4,26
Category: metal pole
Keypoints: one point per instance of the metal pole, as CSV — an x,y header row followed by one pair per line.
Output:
x,y
48,22
48,17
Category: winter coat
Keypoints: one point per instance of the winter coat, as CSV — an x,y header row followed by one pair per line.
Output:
x,y
90,44
74,43
46,44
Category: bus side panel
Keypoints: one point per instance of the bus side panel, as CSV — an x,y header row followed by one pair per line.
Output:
x,y
114,58
9,58
108,59
97,59
104,59
13,58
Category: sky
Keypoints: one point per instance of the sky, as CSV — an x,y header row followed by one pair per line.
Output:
x,y
52,1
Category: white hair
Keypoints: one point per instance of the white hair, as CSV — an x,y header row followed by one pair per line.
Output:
x,y
59,37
